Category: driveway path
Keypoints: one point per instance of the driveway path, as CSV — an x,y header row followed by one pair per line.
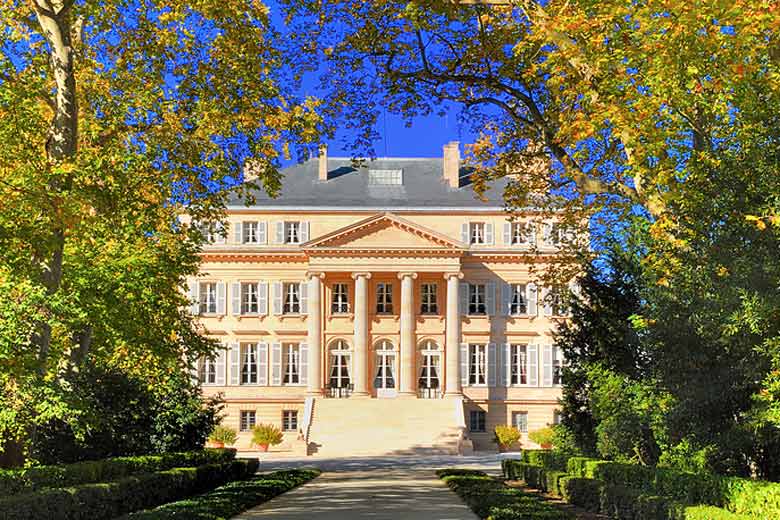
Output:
x,y
382,488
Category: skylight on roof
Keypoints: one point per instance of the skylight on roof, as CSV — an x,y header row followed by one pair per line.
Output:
x,y
385,177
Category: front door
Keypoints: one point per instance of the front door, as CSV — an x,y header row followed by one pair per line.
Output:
x,y
384,382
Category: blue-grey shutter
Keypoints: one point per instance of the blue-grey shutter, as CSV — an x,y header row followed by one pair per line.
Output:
x,y
221,298
506,298
262,235
303,291
280,232
548,310
508,233
235,298
489,233
531,292
547,376
238,233
278,297
492,364
464,364
533,364
303,366
463,297
235,364
532,231
490,298
464,233
219,366
276,364
507,364
262,298
304,232
194,296
219,237
262,364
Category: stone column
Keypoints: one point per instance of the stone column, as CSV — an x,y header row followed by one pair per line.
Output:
x,y
407,364
452,351
314,337
360,341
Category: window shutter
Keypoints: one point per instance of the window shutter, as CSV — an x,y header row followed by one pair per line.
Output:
x,y
235,367
238,236
464,233
508,233
464,364
492,364
506,298
490,298
530,296
194,295
280,232
533,358
507,364
489,234
235,299
547,378
262,298
303,366
463,296
219,366
262,236
532,233
221,298
546,301
277,296
262,364
219,238
547,233
303,290
276,364
304,232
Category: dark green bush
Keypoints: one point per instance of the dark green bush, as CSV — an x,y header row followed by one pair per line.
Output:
x,y
575,466
109,500
549,459
17,481
552,481
582,492
490,498
683,512
532,474
230,499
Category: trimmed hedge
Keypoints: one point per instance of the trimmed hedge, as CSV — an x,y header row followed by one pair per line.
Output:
x,y
16,481
547,458
490,498
230,499
582,492
552,481
575,466
705,513
108,500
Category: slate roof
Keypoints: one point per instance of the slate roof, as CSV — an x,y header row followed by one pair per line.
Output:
x,y
348,187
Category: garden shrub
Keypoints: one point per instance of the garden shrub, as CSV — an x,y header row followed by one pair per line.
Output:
x,y
549,459
582,492
17,481
750,497
230,499
575,466
683,512
552,481
533,475
106,500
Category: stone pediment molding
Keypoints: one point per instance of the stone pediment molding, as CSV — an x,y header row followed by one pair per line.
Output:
x,y
387,233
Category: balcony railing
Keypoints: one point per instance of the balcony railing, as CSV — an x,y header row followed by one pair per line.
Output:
x,y
339,392
429,393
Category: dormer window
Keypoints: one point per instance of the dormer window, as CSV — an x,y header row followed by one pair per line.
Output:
x,y
292,232
477,233
385,177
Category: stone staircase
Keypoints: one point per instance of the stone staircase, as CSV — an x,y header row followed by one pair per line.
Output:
x,y
401,426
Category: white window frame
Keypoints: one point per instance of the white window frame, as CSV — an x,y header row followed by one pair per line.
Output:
x,y
250,232
289,420
477,235
249,364
521,233
520,364
477,291
384,298
343,354
291,364
248,304
208,298
247,419
207,371
555,298
430,362
291,298
475,418
292,232
522,428
340,298
518,299
558,362
429,298
477,364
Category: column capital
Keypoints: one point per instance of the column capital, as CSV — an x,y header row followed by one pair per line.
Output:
x,y
404,274
365,275
315,274
457,275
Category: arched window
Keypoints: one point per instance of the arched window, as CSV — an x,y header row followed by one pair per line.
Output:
x,y
340,357
430,369
384,381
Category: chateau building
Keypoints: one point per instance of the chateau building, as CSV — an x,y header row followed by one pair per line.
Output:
x,y
383,308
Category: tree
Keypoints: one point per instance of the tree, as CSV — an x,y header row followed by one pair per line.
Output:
x,y
120,123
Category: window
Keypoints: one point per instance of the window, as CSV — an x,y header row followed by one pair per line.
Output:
x,y
477,299
291,363
208,298
213,234
477,366
250,366
292,298
556,234
519,365
249,231
385,366
520,421
248,420
292,232
290,420
477,420
384,298
339,365
555,301
207,371
557,366
429,304
518,304
385,177
340,303
249,299
477,233
522,233
430,366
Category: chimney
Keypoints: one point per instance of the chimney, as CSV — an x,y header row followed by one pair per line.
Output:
x,y
452,164
323,162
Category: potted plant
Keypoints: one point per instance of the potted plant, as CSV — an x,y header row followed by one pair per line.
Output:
x,y
221,436
506,436
543,437
264,435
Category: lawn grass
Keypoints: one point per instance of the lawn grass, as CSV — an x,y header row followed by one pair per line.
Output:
x,y
490,499
230,499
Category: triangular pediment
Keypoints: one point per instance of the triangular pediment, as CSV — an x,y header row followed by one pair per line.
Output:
x,y
383,232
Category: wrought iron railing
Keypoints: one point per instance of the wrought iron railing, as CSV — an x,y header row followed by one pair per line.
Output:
x,y
339,392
